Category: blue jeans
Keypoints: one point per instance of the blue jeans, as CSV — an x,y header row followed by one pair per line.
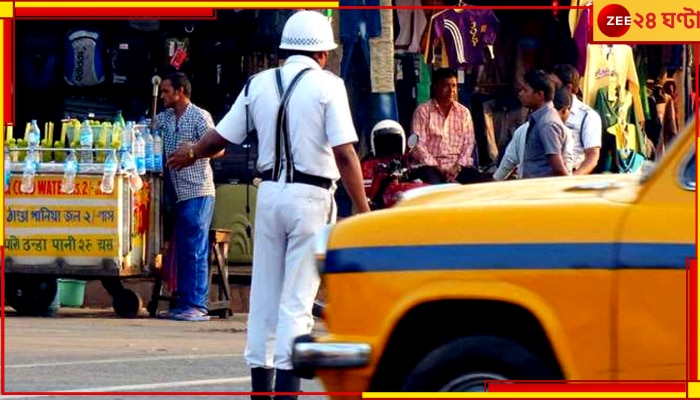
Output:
x,y
192,245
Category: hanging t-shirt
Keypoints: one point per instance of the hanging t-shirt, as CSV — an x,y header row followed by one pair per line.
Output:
x,y
465,35
359,23
412,23
575,14
582,37
424,82
608,65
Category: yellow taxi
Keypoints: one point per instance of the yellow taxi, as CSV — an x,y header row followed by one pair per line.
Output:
x,y
578,278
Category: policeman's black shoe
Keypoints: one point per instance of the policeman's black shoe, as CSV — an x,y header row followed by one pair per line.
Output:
x,y
286,382
261,381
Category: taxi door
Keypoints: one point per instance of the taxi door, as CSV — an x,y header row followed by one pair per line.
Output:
x,y
657,237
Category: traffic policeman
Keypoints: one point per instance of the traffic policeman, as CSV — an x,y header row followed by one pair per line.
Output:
x,y
303,150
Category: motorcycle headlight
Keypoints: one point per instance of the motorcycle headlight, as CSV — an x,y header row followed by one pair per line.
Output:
x,y
320,246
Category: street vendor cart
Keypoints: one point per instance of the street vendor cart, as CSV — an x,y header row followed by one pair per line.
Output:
x,y
86,232
85,235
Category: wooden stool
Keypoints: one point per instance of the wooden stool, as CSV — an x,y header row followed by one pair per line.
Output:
x,y
220,290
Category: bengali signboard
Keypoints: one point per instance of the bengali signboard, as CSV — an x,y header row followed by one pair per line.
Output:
x,y
66,245
51,224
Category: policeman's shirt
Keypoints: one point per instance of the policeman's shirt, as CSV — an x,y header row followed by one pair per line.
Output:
x,y
318,116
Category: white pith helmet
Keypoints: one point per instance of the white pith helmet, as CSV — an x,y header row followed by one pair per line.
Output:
x,y
388,127
308,31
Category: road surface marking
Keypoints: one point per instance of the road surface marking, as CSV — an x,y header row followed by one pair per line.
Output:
x,y
123,360
142,387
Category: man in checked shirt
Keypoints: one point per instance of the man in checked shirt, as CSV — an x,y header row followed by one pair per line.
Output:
x,y
180,122
445,135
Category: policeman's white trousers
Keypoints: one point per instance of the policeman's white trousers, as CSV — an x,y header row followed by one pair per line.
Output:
x,y
285,280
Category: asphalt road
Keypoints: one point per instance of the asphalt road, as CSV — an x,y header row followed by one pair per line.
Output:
x,y
95,351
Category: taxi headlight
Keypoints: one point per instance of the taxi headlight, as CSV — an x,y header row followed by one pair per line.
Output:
x,y
321,245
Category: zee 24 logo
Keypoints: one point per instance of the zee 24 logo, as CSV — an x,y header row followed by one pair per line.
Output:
x,y
615,20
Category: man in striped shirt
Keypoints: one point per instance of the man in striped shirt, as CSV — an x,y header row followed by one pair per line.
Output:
x,y
446,135
182,122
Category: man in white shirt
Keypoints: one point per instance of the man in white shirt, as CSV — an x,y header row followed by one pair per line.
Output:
x,y
300,161
513,156
584,122
515,151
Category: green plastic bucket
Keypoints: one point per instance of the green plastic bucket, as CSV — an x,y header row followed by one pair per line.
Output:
x,y
72,292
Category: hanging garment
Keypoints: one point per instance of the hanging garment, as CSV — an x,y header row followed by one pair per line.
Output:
x,y
465,35
627,159
663,126
429,13
502,116
679,95
575,14
689,87
621,130
582,37
673,56
406,88
412,23
357,26
640,61
526,57
558,47
381,53
611,65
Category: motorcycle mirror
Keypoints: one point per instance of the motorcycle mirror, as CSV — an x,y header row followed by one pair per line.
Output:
x,y
412,140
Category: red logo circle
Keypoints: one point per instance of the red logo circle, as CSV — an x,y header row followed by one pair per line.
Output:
x,y
614,20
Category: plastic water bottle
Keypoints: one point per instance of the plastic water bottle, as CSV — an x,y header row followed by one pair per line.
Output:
x,y
129,167
111,164
34,136
128,136
29,173
86,140
69,172
149,150
7,168
34,139
157,152
119,120
140,153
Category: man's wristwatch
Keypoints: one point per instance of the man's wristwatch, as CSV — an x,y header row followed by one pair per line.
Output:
x,y
191,154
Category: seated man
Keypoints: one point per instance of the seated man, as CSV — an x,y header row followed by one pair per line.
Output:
x,y
445,135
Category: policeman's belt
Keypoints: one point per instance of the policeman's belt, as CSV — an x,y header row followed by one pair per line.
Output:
x,y
300,177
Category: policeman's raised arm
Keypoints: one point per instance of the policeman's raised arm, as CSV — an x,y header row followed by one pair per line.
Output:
x,y
231,129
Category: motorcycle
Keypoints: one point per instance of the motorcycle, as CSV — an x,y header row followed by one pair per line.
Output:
x,y
391,179
386,170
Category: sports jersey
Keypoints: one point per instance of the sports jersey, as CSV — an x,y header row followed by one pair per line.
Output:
x,y
608,65
465,35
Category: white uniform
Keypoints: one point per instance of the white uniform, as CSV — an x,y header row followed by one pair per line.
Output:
x,y
515,153
587,128
285,281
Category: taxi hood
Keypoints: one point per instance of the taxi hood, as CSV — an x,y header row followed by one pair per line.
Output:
x,y
624,187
